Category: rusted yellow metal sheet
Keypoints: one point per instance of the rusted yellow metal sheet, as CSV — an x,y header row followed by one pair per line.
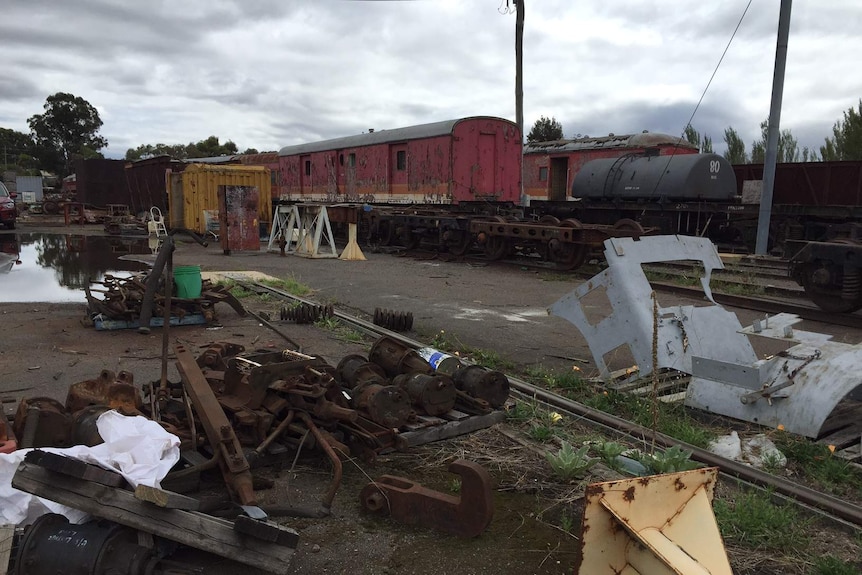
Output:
x,y
656,525
195,190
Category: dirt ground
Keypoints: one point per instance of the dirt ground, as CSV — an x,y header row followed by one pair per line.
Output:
x,y
46,348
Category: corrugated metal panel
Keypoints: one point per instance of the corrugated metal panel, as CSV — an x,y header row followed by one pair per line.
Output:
x,y
379,137
644,140
30,185
199,188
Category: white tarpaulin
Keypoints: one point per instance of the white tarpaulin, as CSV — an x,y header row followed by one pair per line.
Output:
x,y
137,448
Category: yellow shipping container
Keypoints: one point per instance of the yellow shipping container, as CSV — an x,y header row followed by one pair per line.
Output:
x,y
194,192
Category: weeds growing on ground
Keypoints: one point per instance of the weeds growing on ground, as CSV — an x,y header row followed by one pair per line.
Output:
x,y
569,463
290,285
818,462
333,324
829,565
754,520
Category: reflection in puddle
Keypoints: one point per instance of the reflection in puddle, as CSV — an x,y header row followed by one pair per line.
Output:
x,y
56,267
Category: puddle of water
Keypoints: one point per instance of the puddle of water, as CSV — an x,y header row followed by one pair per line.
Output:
x,y
56,267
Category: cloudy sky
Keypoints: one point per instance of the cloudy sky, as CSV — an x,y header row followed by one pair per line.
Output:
x,y
270,73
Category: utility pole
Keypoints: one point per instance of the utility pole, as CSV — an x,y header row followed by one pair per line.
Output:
x,y
774,129
519,84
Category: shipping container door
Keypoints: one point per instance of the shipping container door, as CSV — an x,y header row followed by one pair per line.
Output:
x,y
398,169
487,173
305,181
559,178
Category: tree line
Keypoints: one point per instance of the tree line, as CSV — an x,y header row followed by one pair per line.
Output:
x,y
845,143
68,130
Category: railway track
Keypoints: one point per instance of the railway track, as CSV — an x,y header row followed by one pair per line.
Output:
x,y
775,299
843,511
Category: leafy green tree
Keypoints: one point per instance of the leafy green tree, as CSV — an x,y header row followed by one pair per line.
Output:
x,y
69,125
735,152
809,155
211,148
144,151
16,151
250,151
692,136
788,147
545,130
846,141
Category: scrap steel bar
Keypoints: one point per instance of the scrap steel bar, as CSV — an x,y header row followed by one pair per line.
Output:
x,y
220,433
836,507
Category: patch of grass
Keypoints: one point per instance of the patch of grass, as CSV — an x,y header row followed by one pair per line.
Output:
x,y
451,344
290,285
455,485
541,433
829,565
817,462
753,520
673,419
567,523
571,382
342,331
523,411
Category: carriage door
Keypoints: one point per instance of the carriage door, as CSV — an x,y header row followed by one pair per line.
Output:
x,y
559,179
398,170
486,180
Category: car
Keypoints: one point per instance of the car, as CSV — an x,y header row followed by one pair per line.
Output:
x,y
8,211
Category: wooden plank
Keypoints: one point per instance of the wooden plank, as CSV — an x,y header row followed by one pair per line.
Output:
x,y
190,528
75,468
6,534
455,415
166,499
452,428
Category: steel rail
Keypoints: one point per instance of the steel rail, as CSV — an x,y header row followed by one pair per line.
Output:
x,y
844,510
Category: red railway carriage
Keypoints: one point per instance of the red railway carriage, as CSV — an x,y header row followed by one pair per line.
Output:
x,y
550,167
453,162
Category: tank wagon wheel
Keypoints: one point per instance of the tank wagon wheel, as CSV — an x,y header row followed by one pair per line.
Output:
x,y
385,232
569,256
497,247
829,297
408,239
462,245
629,225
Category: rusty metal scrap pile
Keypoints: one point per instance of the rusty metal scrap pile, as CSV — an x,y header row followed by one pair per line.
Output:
x,y
247,406
123,299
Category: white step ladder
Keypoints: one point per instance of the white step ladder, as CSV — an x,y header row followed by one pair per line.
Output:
x,y
156,225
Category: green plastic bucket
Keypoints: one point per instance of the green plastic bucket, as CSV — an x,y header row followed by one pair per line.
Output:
x,y
188,281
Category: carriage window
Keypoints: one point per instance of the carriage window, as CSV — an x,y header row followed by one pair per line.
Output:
x,y
543,174
273,177
401,161
307,167
341,159
351,160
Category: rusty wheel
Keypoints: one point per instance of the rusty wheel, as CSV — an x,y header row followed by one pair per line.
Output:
x,y
629,225
385,232
824,284
462,244
549,220
497,247
569,256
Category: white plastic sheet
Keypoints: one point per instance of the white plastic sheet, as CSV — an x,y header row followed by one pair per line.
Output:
x,y
137,448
